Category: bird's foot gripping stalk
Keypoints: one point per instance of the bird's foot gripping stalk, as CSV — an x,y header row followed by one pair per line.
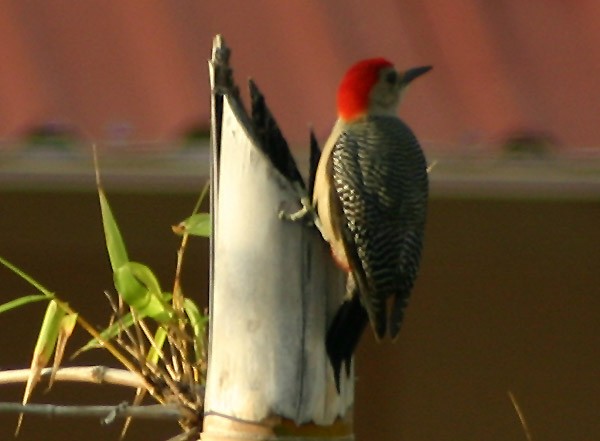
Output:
x,y
306,214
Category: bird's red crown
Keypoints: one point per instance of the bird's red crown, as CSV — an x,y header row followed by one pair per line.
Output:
x,y
353,93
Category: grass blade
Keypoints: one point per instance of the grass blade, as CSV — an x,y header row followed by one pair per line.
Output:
x,y
117,252
22,301
25,277
198,322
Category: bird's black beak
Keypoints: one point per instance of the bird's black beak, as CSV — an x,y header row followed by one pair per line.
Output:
x,y
413,73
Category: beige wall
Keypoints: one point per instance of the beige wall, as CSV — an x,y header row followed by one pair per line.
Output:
x,y
508,298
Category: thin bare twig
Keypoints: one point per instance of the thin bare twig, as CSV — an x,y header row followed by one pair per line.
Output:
x,y
135,340
108,345
520,415
172,348
172,384
178,343
178,300
140,393
177,297
132,351
118,314
82,374
171,369
139,342
107,413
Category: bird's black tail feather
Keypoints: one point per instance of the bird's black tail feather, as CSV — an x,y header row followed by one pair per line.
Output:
x,y
343,335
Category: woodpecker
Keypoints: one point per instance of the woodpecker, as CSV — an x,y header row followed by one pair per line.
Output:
x,y
370,195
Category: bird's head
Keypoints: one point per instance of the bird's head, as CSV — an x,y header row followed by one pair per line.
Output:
x,y
373,87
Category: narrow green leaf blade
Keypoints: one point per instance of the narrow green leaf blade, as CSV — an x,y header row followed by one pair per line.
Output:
x,y
25,277
198,322
22,301
109,333
159,340
117,252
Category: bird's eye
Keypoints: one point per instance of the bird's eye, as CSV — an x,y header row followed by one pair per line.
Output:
x,y
391,77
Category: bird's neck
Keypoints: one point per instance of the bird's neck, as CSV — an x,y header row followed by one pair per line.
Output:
x,y
377,109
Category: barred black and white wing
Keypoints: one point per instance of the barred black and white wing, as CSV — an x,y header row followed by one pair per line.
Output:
x,y
379,175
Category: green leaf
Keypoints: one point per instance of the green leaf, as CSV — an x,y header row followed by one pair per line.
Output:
x,y
113,330
22,301
26,277
140,289
196,225
159,341
117,252
109,333
198,322
44,348
67,325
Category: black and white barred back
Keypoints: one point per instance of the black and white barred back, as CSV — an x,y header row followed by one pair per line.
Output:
x,y
379,178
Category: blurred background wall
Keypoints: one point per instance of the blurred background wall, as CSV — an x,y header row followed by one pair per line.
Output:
x,y
135,71
508,297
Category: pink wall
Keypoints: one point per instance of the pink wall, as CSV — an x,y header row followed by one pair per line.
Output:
x,y
137,69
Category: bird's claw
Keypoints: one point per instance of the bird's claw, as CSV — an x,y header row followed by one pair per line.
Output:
x,y
306,213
